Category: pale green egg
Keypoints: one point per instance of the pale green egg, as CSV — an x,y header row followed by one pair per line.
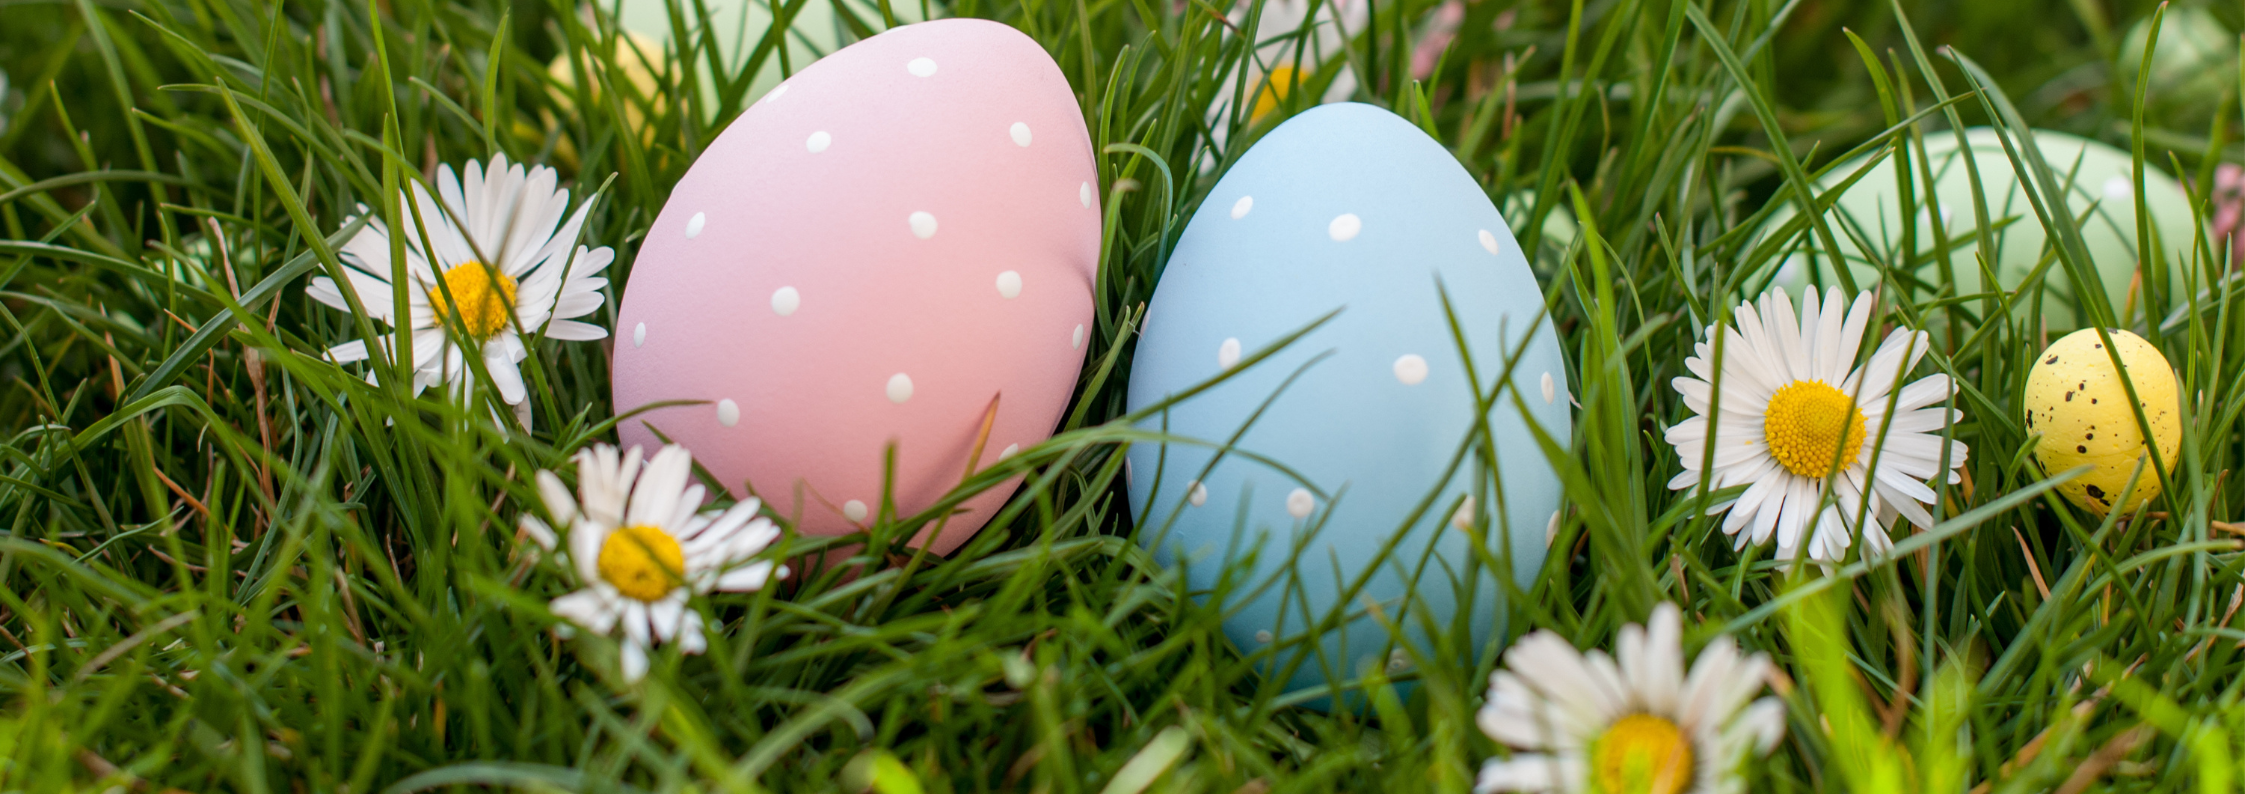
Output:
x,y
2195,63
739,26
1559,227
2099,184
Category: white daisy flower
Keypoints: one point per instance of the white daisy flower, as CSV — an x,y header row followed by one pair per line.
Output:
x,y
494,244
1794,414
641,546
1583,722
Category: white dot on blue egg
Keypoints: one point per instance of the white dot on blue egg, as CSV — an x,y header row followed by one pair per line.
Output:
x,y
1411,369
1227,353
1463,519
1550,389
1241,207
1198,495
1299,503
1488,242
1345,227
1263,636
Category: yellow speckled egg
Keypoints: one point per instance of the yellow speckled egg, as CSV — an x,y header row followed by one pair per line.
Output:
x,y
2077,403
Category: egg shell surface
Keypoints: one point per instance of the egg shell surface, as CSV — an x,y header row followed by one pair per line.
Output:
x,y
2100,192
1349,207
870,255
2076,402
739,27
2196,62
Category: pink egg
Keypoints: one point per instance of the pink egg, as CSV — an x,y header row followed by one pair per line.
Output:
x,y
872,253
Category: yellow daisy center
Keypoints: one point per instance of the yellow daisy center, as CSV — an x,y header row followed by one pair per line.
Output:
x,y
1805,424
1275,86
1641,754
481,296
643,562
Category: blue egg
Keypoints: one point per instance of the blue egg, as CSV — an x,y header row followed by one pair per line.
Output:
x,y
1347,207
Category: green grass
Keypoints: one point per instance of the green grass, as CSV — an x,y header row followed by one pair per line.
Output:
x,y
229,566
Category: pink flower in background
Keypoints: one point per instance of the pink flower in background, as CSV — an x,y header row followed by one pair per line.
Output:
x,y
2229,209
1438,36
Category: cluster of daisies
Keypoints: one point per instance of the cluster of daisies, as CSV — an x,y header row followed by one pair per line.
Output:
x,y
491,263
1831,454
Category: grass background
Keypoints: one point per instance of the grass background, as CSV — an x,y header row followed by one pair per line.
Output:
x,y
229,566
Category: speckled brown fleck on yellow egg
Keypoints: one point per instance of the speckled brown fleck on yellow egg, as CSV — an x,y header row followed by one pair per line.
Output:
x,y
2076,402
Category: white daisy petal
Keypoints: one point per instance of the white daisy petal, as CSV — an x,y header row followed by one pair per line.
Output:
x,y
665,616
586,538
538,532
1888,364
1765,722
746,578
655,498
1784,329
1656,670
1831,367
1522,772
571,330
690,638
683,519
588,608
504,376
579,305
1795,517
634,660
636,622
1931,390
601,485
1812,324
348,352
1851,332
559,504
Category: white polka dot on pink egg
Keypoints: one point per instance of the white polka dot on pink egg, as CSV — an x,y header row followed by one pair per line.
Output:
x,y
905,177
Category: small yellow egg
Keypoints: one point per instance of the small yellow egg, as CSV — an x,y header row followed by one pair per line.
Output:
x,y
1281,80
639,60
2081,410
